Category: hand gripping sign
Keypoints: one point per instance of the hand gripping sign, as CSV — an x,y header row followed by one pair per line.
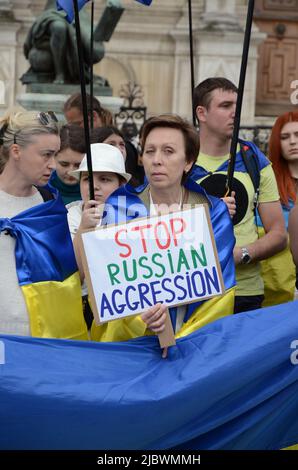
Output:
x,y
169,258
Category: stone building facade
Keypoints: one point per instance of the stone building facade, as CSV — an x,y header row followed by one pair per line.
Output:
x,y
150,47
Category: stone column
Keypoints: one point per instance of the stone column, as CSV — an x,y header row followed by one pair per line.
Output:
x,y
220,15
8,45
218,42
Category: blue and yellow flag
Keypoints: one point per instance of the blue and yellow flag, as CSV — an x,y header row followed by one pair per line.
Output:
x,y
67,6
47,270
233,384
279,283
126,204
145,2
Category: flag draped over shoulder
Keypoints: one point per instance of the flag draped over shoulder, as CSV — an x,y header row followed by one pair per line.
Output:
x,y
229,385
126,204
67,6
47,270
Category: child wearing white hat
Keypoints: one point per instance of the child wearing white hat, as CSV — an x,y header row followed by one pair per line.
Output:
x,y
108,174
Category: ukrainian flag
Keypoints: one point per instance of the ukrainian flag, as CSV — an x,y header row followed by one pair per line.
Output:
x,y
47,270
128,203
145,2
230,385
67,6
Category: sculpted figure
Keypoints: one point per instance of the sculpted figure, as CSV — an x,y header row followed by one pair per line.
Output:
x,y
51,45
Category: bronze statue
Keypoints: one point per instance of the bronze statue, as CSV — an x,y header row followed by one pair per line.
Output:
x,y
51,46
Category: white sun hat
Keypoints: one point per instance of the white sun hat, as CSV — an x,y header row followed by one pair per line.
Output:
x,y
104,157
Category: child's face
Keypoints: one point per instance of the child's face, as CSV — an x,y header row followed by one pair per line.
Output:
x,y
118,142
105,183
66,161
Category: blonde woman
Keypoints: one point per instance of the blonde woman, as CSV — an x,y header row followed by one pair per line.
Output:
x,y
39,283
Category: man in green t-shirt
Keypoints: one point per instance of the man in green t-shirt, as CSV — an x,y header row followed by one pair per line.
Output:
x,y
214,103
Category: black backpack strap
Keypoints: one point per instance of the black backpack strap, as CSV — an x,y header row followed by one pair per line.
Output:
x,y
250,161
45,193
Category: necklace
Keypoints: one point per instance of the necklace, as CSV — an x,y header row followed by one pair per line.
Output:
x,y
159,209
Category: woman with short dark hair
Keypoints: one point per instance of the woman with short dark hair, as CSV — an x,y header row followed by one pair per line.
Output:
x,y
170,146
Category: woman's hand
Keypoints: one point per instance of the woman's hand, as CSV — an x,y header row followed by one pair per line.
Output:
x,y
155,317
91,215
230,201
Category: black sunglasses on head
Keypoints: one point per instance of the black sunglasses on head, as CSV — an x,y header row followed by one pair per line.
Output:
x,y
44,118
47,118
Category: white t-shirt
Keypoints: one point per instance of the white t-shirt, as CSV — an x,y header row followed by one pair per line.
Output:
x,y
13,311
74,216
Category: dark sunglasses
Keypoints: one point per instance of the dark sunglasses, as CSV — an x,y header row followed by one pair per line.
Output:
x,y
47,118
44,118
2,132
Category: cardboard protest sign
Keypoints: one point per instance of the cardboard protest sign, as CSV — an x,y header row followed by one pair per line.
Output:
x,y
168,258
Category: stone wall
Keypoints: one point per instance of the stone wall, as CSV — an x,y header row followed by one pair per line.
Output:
x,y
151,47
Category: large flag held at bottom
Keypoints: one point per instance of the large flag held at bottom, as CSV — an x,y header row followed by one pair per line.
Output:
x,y
233,384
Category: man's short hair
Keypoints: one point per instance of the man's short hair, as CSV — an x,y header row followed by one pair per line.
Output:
x,y
202,92
75,101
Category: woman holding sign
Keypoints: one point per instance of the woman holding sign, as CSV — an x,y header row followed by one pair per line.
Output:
x,y
170,146
108,174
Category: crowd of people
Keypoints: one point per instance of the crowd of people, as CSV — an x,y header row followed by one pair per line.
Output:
x,y
43,174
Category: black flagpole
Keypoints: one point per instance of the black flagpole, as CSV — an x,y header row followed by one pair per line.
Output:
x,y
192,74
234,142
91,63
84,98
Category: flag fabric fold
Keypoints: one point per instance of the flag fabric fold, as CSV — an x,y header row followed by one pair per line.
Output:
x,y
232,384
145,2
67,6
